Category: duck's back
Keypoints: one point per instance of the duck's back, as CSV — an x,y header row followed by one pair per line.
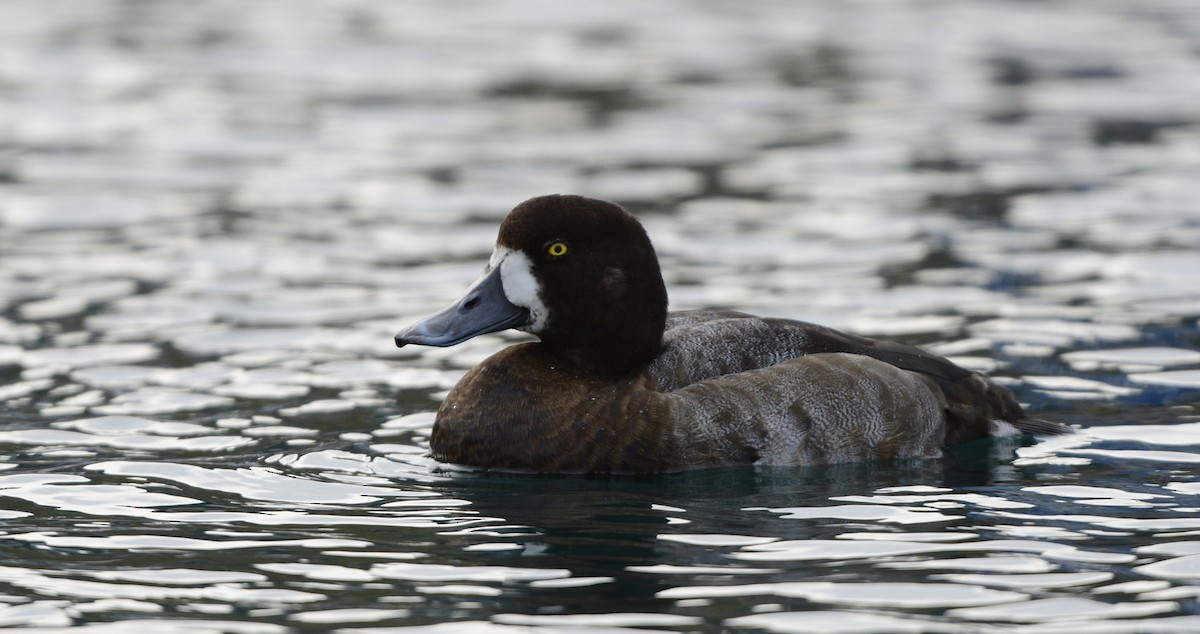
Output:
x,y
702,344
778,391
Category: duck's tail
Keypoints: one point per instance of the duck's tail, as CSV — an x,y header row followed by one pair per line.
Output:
x,y
977,408
1040,426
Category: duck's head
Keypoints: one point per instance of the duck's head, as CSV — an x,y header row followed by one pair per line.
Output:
x,y
579,273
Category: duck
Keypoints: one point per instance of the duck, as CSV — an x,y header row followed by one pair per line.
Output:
x,y
617,384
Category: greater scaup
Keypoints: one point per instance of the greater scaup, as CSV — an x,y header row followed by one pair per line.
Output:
x,y
618,384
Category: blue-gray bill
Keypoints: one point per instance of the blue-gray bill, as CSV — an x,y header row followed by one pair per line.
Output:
x,y
483,309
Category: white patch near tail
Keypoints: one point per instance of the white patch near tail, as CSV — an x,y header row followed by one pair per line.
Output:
x,y
999,427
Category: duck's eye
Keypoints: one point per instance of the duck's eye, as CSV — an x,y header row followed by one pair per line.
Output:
x,y
557,249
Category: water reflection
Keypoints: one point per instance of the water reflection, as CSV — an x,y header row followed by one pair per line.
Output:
x,y
693,540
214,216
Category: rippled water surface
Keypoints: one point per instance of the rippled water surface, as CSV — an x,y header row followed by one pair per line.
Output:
x,y
214,215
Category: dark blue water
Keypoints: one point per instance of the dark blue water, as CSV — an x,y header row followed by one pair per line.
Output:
x,y
214,217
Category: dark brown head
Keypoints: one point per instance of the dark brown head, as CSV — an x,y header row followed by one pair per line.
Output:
x,y
579,273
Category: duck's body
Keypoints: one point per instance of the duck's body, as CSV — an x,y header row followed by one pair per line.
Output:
x,y
618,385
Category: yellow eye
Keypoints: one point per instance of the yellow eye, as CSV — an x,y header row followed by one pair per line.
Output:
x,y
557,249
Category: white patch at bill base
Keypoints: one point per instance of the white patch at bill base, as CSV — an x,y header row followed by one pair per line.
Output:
x,y
520,286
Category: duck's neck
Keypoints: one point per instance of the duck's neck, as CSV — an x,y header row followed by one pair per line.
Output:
x,y
613,357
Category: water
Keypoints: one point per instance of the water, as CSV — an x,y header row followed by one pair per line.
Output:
x,y
215,215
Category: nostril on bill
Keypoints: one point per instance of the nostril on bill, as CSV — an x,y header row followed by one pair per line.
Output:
x,y
470,304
